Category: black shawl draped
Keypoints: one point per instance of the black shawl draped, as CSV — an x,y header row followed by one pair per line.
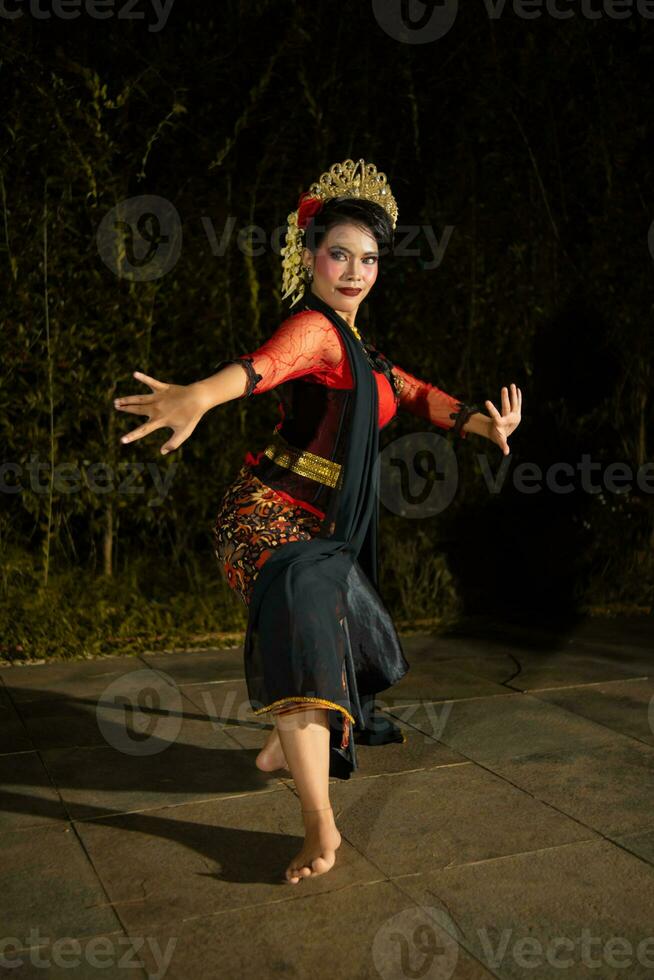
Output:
x,y
295,644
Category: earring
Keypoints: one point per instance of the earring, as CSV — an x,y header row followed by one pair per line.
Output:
x,y
309,273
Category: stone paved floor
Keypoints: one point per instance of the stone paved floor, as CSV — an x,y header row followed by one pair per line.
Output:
x,y
511,835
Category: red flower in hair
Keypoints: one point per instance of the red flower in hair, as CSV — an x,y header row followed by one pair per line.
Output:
x,y
308,207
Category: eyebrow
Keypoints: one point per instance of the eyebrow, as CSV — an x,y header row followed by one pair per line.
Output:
x,y
346,249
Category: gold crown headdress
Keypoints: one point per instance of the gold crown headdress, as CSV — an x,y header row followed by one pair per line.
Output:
x,y
347,179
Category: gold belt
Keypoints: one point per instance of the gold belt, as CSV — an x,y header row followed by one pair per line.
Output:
x,y
302,462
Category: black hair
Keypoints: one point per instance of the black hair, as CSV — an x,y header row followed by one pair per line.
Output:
x,y
350,210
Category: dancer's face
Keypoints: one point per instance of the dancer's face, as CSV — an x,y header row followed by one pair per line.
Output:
x,y
348,257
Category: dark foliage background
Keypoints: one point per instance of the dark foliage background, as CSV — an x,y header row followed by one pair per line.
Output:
x,y
530,139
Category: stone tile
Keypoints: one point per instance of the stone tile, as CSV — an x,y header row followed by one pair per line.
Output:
x,y
562,670
525,670
226,702
199,666
364,932
545,662
491,637
412,822
490,730
184,759
635,631
642,844
624,641
431,647
624,706
565,764
496,667
173,863
637,659
439,681
609,788
620,638
65,679
27,796
49,884
60,722
418,752
617,629
13,734
526,914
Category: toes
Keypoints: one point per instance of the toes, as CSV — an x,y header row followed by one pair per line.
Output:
x,y
297,874
317,866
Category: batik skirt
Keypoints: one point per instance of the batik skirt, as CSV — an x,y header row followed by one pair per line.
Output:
x,y
252,521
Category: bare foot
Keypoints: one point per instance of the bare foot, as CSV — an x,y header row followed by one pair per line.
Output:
x,y
318,854
272,755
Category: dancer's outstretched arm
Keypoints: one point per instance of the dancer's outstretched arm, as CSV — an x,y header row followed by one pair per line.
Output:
x,y
429,402
304,343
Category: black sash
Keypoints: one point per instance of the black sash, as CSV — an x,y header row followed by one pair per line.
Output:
x,y
294,642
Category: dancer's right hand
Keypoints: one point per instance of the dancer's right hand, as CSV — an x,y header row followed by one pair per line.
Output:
x,y
176,406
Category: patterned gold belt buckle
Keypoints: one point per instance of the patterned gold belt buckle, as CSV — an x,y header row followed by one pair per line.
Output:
x,y
303,462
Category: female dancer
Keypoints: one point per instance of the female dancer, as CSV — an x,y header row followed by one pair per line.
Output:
x,y
296,533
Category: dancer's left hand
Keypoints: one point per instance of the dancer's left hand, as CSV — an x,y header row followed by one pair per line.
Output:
x,y
503,425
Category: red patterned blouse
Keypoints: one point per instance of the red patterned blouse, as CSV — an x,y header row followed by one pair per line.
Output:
x,y
307,345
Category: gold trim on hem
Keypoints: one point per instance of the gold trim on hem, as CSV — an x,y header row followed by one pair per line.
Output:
x,y
323,701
